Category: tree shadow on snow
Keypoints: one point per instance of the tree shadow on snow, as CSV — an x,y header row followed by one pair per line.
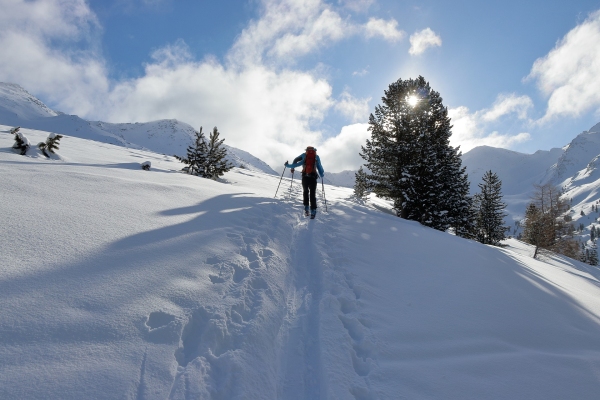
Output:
x,y
140,265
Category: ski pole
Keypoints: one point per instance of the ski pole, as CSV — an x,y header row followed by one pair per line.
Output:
x,y
324,198
292,182
280,181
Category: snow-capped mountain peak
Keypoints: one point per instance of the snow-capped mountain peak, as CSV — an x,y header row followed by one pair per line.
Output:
x,y
16,102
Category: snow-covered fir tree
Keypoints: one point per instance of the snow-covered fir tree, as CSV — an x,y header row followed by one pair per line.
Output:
x,y
361,189
461,213
411,160
21,142
216,161
50,145
197,154
490,210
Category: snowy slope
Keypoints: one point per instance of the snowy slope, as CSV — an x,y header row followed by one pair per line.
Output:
x,y
583,149
122,283
171,137
16,103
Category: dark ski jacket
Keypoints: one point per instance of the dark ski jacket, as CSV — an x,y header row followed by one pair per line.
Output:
x,y
298,161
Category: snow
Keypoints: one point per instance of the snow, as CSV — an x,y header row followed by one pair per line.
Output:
x,y
170,137
121,283
16,102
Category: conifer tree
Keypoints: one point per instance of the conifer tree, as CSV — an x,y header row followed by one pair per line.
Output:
x,y
593,254
50,144
216,161
410,158
490,210
360,184
460,206
197,155
21,142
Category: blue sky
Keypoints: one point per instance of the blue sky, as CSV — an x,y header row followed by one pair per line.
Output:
x,y
277,75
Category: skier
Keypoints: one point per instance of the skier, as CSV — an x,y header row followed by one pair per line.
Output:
x,y
311,171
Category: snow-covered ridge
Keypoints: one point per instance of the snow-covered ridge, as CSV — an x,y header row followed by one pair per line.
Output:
x,y
170,137
16,102
577,154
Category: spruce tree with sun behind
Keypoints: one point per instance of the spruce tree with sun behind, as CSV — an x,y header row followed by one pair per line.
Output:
x,y
411,161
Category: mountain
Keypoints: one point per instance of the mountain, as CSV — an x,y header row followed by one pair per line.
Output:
x,y
517,171
344,178
571,168
171,137
575,157
17,104
117,282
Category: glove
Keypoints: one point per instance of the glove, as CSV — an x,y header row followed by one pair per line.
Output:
x,y
292,170
322,175
286,164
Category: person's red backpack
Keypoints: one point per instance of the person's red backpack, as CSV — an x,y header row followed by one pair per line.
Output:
x,y
310,161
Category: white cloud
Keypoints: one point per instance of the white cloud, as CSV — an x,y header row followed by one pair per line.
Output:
x,y
256,109
362,72
49,46
476,129
357,5
569,73
357,110
342,152
259,103
422,40
288,29
507,104
386,29
327,27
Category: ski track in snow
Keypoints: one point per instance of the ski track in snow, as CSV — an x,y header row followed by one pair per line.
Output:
x,y
215,338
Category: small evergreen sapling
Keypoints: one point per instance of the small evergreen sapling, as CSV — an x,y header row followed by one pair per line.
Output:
x,y
21,142
216,161
361,189
207,158
196,155
50,144
490,210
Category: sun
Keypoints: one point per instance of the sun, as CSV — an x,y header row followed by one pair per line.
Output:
x,y
412,100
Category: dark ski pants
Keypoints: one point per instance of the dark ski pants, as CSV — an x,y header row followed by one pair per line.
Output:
x,y
309,186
